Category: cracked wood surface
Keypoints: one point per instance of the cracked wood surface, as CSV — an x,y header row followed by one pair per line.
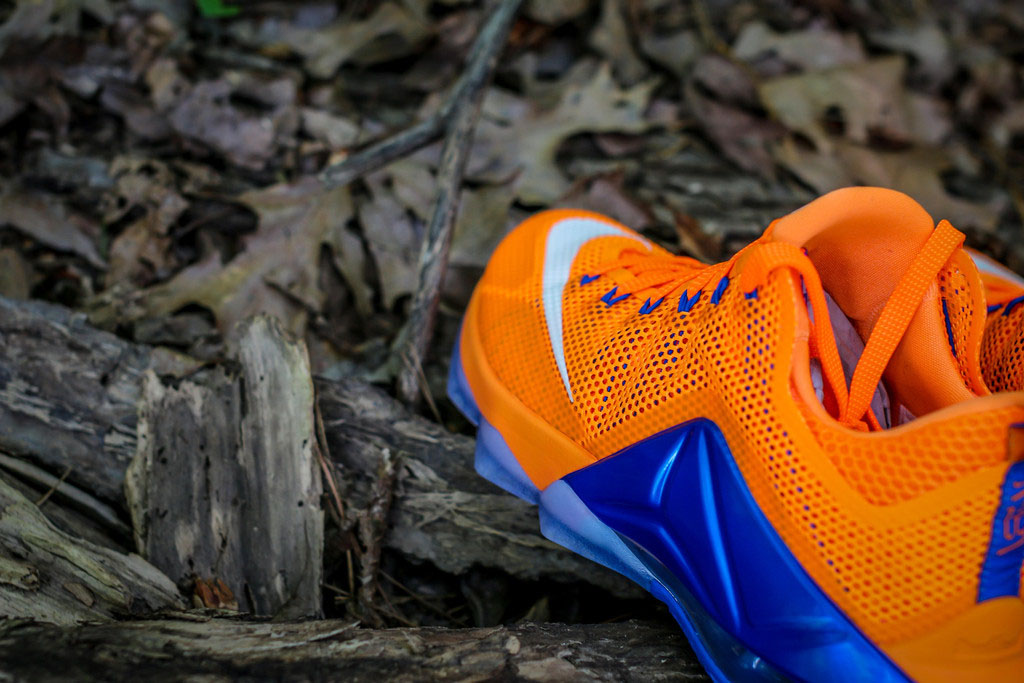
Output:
x,y
222,649
85,385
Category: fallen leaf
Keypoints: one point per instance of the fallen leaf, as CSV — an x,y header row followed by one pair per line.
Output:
x,y
917,172
674,51
275,273
810,50
611,39
871,97
206,115
554,13
606,195
482,222
390,32
394,243
213,594
45,219
926,42
744,138
337,132
526,145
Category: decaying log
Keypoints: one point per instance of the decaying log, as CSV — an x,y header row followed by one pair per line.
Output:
x,y
68,396
218,649
49,575
443,511
224,485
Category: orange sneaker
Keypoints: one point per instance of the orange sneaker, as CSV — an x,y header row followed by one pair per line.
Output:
x,y
793,449
1002,351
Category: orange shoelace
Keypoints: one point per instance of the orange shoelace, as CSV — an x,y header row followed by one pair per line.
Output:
x,y
664,276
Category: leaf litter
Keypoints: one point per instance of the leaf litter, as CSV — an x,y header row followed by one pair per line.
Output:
x,y
159,168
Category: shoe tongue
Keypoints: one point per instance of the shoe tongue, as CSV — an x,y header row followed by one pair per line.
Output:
x,y
861,241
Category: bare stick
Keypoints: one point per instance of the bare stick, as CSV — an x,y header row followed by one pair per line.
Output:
x,y
99,511
373,525
433,258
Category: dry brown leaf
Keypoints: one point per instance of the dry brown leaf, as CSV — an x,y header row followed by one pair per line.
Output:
x,y
744,138
811,50
275,273
916,172
605,194
674,51
214,594
527,142
482,221
394,243
45,219
612,40
390,32
871,97
207,115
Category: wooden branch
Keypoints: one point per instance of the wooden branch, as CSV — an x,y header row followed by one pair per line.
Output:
x,y
68,395
48,575
442,512
222,650
225,486
433,256
479,66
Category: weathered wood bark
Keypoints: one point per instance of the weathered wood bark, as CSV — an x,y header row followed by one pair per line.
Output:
x,y
225,485
329,650
443,511
49,575
68,395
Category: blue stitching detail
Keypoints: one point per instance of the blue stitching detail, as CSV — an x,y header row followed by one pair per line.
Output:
x,y
587,279
720,289
1012,304
949,327
685,303
994,307
648,307
752,294
610,298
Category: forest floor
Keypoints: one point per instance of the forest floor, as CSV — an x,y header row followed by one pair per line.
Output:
x,y
162,173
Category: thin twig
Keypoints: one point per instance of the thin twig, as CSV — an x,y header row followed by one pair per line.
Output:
x,y
416,597
478,71
323,455
425,386
373,525
56,485
433,258
101,512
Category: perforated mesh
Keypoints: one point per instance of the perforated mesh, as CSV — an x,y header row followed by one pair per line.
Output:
x,y
954,288
1002,350
634,375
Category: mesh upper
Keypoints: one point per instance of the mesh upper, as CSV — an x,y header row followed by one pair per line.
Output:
x,y
1002,350
635,375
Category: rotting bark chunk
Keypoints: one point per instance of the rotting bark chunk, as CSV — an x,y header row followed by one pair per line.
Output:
x,y
224,484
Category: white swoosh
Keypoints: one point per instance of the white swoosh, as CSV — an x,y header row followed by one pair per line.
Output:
x,y
565,238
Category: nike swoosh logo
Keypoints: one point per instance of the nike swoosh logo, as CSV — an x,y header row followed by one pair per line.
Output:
x,y
565,238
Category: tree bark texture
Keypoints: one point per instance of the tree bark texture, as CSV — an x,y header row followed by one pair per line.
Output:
x,y
221,649
224,485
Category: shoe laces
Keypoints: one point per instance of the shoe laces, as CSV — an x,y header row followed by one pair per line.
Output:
x,y
666,275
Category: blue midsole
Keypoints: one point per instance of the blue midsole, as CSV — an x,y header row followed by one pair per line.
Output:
x,y
816,643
